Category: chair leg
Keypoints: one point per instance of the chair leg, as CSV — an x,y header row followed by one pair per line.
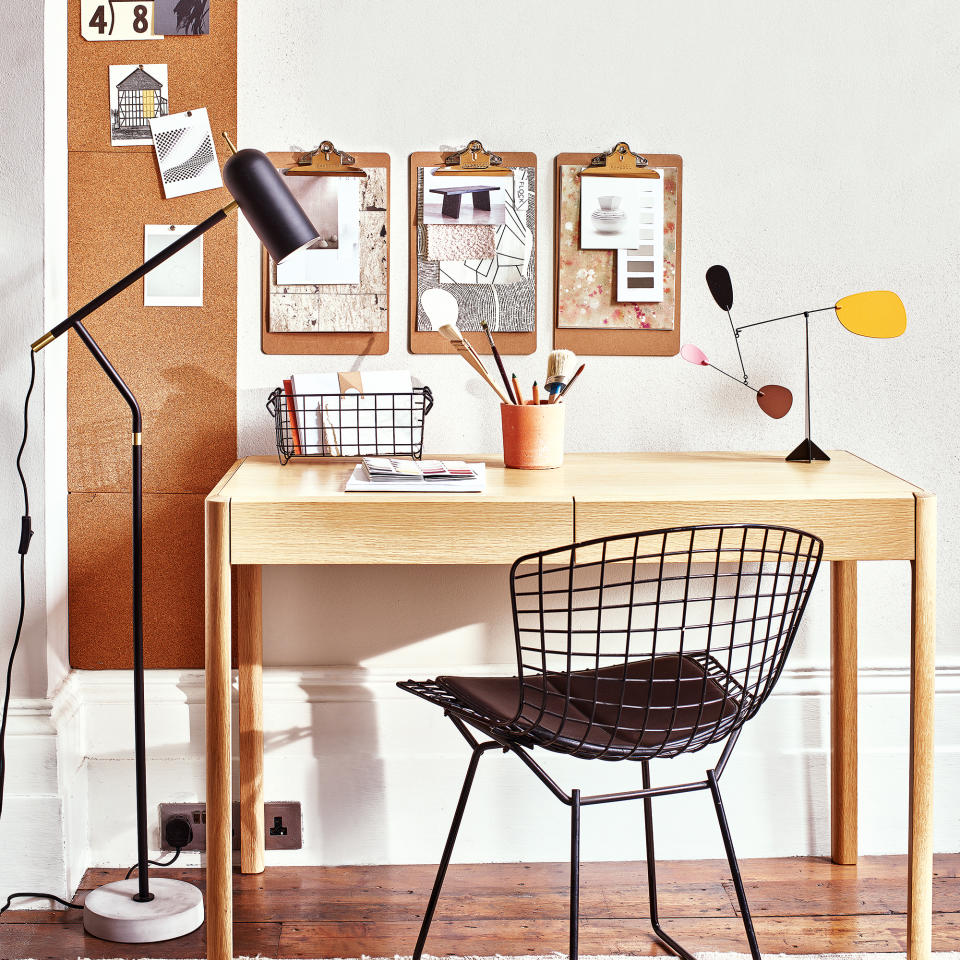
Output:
x,y
447,852
665,938
574,874
734,866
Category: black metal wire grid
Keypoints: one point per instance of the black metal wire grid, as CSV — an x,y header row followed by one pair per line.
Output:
x,y
351,424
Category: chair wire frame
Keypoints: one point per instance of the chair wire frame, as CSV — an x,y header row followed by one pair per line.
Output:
x,y
637,647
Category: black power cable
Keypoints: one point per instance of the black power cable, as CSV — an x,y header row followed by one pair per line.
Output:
x,y
26,533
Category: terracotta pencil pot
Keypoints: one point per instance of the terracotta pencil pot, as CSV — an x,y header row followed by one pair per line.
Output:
x,y
532,435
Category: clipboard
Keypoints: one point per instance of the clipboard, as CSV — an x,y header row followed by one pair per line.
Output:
x,y
603,341
473,160
326,160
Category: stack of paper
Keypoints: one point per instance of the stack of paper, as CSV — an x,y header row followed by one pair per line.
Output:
x,y
390,470
384,474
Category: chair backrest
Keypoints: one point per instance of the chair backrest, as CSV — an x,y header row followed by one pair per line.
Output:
x,y
657,643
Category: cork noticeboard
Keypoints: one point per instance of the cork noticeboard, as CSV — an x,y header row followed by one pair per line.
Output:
x,y
616,341
180,362
360,343
428,341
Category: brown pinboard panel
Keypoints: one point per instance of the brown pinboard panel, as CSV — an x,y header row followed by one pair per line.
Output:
x,y
101,630
179,361
202,72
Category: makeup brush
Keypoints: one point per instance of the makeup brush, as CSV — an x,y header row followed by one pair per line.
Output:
x,y
455,337
559,369
442,310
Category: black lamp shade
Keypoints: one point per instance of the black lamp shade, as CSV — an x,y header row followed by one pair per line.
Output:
x,y
267,203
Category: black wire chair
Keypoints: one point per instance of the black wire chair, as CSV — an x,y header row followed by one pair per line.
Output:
x,y
636,647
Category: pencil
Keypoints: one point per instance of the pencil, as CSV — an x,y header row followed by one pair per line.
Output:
x,y
496,356
536,394
516,389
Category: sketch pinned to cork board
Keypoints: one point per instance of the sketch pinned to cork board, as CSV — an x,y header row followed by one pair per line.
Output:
x,y
138,94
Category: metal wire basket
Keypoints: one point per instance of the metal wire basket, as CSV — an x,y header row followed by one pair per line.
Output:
x,y
350,424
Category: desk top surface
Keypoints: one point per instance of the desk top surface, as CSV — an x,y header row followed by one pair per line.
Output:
x,y
592,477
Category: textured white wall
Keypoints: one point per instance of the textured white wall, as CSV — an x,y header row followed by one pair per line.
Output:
x,y
813,169
21,307
819,160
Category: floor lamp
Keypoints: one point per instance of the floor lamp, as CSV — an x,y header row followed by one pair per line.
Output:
x,y
140,910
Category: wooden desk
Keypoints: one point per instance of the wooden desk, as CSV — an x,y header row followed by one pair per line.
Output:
x,y
262,512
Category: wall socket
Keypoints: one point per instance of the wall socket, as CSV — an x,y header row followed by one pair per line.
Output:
x,y
283,825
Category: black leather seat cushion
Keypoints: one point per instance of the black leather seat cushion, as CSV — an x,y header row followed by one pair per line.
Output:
x,y
651,706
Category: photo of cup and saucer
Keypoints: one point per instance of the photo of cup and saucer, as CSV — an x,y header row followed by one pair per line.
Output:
x,y
608,217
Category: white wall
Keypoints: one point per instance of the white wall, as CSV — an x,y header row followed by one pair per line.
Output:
x,y
819,161
21,306
43,753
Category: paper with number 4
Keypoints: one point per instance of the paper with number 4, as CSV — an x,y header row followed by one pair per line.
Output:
x,y
117,20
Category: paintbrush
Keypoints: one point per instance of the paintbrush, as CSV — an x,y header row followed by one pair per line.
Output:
x,y
572,380
496,356
559,368
455,337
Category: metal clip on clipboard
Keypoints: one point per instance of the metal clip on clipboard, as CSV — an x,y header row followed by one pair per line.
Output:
x,y
325,161
621,161
473,160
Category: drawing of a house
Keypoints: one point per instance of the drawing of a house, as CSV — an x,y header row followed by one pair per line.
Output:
x,y
139,98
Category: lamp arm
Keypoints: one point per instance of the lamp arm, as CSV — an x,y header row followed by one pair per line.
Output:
x,y
81,331
133,277
789,316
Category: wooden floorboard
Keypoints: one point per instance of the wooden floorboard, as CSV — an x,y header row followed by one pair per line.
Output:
x,y
800,905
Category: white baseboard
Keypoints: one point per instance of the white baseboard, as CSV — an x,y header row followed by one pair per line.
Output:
x,y
378,772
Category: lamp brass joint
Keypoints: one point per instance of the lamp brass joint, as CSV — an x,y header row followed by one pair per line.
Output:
x,y
231,206
137,439
38,345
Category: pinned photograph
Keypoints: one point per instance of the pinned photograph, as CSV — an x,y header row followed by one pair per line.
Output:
x,y
186,154
333,207
619,212
177,282
138,94
181,18
463,200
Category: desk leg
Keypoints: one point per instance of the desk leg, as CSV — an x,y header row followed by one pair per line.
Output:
x,y
217,663
920,876
843,711
250,662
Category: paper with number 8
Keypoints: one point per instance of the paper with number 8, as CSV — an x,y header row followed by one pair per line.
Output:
x,y
117,20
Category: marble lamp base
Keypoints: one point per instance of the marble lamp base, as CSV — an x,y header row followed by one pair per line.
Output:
x,y
111,913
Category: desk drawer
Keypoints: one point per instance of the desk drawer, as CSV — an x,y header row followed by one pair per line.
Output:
x,y
364,531
850,529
